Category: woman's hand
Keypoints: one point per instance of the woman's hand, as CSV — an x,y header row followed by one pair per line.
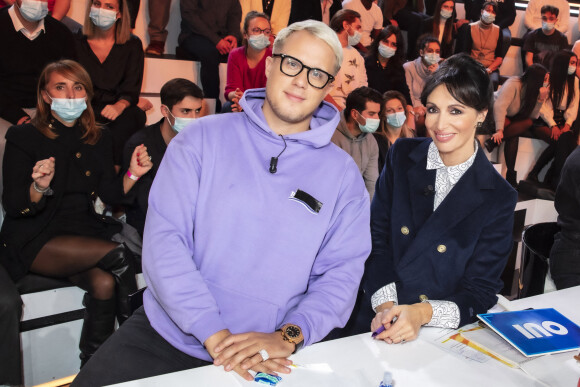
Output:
x,y
556,132
432,68
409,319
111,112
43,172
420,111
497,137
141,162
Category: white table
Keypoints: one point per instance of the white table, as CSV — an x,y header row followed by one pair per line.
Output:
x,y
361,361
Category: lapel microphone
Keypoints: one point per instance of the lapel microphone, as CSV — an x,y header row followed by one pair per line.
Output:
x,y
274,160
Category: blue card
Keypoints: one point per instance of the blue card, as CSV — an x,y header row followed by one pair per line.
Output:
x,y
536,331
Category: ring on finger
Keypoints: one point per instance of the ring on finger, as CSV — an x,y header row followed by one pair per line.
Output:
x,y
264,354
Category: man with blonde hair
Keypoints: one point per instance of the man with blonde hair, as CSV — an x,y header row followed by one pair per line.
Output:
x,y
257,230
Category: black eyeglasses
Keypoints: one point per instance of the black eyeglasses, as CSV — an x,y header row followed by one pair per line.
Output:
x,y
266,31
292,67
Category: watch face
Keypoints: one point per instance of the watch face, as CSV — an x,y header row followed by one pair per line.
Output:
x,y
293,331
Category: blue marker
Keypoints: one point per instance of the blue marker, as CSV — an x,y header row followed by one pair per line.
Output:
x,y
387,380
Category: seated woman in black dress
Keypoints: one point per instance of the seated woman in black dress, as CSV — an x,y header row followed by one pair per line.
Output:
x,y
441,25
384,62
114,59
54,168
441,217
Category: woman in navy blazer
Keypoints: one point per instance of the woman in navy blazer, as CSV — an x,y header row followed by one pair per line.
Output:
x,y
441,218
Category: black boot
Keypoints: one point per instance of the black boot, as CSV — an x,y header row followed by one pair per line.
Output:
x,y
490,145
120,262
543,160
98,325
511,177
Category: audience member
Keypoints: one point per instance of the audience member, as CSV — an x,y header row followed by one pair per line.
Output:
x,y
181,102
159,11
210,30
517,104
55,168
441,218
246,64
407,15
565,253
114,59
576,50
483,41
10,314
417,72
540,42
213,240
384,62
393,124
371,18
278,12
534,19
29,40
441,26
358,121
352,75
322,10
558,114
505,15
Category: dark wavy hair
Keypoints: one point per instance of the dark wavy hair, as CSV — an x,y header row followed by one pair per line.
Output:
x,y
532,79
559,78
448,32
399,57
466,80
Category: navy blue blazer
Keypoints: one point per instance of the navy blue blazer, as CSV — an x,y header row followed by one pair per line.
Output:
x,y
456,253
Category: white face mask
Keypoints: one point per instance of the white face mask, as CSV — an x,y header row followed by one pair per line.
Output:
x,y
258,42
547,27
431,58
370,126
33,11
487,17
571,69
179,122
386,51
396,120
354,39
69,109
445,14
103,18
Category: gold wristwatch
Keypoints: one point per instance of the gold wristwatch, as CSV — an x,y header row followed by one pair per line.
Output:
x,y
293,334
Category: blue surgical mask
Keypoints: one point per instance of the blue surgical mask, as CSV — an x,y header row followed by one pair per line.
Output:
x,y
353,40
571,69
258,42
103,18
385,51
547,27
179,122
396,120
69,109
33,11
445,14
371,125
487,17
431,58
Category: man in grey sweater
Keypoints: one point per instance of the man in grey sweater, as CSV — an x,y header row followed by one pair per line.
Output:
x,y
358,121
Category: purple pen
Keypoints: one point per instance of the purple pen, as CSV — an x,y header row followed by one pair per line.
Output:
x,y
375,333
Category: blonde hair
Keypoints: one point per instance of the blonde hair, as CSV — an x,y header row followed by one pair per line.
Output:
x,y
75,72
122,25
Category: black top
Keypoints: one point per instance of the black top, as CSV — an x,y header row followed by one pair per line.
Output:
x,y
119,77
82,172
213,19
22,60
138,202
567,200
506,12
391,77
311,9
540,44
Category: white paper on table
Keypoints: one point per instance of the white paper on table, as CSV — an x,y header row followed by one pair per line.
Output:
x,y
441,337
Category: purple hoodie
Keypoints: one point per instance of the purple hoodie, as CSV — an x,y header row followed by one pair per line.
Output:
x,y
225,245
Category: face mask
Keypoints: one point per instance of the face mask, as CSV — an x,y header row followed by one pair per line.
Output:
x,y
33,11
432,58
385,51
487,17
547,27
545,84
258,42
371,125
396,120
571,69
179,122
445,14
103,18
354,39
68,109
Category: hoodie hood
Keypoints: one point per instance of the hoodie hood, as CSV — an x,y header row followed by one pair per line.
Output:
x,y
322,124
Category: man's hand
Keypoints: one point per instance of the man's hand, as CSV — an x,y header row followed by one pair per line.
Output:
x,y
227,44
243,350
